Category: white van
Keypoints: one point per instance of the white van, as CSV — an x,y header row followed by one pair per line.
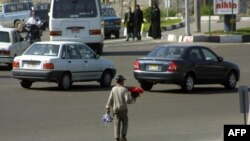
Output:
x,y
77,20
13,14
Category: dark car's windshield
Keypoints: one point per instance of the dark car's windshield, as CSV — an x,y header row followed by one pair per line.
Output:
x,y
4,37
74,9
43,50
108,12
167,52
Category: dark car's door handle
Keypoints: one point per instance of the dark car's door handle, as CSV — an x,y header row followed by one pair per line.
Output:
x,y
85,61
69,61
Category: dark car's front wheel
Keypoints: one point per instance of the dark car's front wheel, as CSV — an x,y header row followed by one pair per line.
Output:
x,y
188,83
26,83
147,86
231,81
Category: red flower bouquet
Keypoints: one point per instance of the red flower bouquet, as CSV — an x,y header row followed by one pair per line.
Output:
x,y
135,91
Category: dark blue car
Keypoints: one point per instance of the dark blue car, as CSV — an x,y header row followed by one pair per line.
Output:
x,y
112,23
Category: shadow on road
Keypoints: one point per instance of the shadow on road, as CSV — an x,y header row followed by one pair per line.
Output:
x,y
200,91
126,53
74,88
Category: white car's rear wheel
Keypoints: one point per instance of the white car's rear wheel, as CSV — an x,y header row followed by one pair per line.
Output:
x,y
65,82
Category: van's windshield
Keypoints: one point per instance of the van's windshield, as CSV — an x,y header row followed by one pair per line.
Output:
x,y
74,9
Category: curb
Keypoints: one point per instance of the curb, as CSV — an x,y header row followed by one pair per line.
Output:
x,y
206,38
172,27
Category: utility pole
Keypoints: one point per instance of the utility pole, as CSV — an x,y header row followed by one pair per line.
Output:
x,y
197,15
187,26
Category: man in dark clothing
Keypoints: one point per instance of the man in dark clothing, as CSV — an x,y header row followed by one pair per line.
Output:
x,y
129,22
138,21
155,27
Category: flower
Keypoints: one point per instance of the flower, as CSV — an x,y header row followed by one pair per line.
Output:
x,y
135,91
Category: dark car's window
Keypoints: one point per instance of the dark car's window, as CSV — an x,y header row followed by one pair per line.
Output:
x,y
209,55
194,54
74,9
108,12
85,52
167,52
4,37
43,50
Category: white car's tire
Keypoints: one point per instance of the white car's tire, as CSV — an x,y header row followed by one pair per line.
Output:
x,y
106,79
65,82
26,83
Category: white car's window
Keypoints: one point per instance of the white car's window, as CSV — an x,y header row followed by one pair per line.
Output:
x,y
15,39
70,52
1,9
43,50
4,37
85,52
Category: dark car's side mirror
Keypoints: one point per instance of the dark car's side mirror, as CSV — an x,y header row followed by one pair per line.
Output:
x,y
220,59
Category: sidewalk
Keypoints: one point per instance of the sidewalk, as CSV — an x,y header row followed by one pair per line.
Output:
x,y
177,35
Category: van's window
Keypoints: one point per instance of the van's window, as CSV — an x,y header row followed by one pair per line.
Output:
x,y
4,37
16,7
74,8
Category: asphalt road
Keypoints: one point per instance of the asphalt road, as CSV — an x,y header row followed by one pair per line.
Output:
x,y
44,113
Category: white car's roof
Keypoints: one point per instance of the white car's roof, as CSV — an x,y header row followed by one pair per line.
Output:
x,y
57,42
6,29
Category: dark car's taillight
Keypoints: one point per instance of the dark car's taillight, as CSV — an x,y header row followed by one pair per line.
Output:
x,y
172,67
136,65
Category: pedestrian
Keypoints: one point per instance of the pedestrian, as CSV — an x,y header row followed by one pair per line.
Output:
x,y
138,21
155,26
129,23
118,99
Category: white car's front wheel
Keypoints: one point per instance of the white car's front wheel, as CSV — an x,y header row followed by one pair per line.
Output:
x,y
65,82
106,80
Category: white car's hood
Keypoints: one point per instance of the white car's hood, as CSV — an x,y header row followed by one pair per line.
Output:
x,y
4,45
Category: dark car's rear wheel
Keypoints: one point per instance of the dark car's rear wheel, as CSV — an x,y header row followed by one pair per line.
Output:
x,y
188,83
106,79
26,83
65,82
231,80
147,86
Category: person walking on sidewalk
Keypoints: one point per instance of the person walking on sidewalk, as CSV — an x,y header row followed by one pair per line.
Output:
x,y
138,21
129,23
118,99
155,26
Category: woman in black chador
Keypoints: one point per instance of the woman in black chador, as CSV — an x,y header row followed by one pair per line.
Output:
x,y
129,22
155,27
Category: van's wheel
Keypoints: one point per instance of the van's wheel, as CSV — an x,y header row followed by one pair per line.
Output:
x,y
231,80
65,82
26,83
147,86
9,66
106,79
188,83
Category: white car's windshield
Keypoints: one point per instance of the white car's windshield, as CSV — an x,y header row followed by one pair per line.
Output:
x,y
43,50
4,37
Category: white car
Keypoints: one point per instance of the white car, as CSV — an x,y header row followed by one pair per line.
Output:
x,y
11,45
62,62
